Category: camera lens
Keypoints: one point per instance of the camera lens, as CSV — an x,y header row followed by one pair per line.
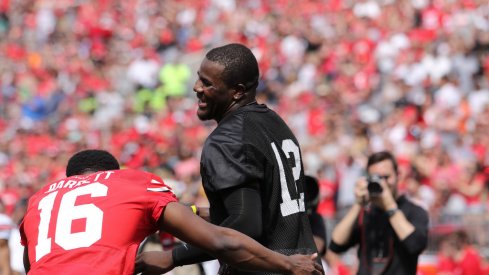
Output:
x,y
374,187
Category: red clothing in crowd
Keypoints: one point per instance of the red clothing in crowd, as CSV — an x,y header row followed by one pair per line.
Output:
x,y
469,263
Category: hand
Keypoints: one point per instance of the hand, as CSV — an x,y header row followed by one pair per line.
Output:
x,y
154,262
203,212
361,191
305,264
386,199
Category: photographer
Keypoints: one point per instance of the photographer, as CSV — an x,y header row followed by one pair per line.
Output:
x,y
390,230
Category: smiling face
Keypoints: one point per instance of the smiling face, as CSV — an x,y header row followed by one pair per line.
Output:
x,y
215,97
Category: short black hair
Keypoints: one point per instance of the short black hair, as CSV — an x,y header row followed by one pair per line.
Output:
x,y
381,156
240,65
91,161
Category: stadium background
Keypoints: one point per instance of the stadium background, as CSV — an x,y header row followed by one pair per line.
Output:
x,y
350,78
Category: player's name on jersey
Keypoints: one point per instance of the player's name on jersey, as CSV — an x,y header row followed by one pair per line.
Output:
x,y
78,181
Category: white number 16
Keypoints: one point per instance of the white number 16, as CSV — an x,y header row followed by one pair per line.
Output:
x,y
68,212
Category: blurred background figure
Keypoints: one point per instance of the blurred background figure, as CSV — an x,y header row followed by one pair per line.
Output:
x,y
458,256
6,227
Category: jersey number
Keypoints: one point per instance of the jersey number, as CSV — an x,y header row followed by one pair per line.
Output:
x,y
288,205
68,212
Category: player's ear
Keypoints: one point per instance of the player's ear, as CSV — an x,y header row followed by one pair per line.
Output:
x,y
239,91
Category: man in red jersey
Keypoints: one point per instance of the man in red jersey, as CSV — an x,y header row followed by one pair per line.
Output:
x,y
93,221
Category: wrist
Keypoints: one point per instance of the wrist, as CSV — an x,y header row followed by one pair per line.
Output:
x,y
391,205
288,266
362,201
391,211
174,256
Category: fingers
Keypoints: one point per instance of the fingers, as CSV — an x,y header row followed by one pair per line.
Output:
x,y
319,268
361,191
314,256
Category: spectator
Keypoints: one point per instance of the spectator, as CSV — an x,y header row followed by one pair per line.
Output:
x,y
457,256
6,226
390,230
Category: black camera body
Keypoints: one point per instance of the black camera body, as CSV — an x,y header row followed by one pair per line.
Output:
x,y
374,187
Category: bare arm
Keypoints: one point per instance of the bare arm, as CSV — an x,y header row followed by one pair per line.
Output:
x,y
229,245
401,225
471,187
398,221
5,257
343,230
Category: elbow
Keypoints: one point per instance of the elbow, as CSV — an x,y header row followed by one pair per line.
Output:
x,y
416,243
226,241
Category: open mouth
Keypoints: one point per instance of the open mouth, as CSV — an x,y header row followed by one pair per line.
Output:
x,y
202,104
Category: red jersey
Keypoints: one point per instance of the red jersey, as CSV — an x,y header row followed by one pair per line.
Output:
x,y
93,224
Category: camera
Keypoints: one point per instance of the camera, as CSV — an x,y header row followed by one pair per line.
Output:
x,y
374,187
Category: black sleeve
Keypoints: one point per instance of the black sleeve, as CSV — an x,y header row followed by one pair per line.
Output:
x,y
243,206
228,162
244,209
353,240
185,254
417,241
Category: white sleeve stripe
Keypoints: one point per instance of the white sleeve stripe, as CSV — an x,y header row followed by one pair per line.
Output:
x,y
158,189
155,181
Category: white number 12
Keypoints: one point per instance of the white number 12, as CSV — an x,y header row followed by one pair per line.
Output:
x,y
288,205
68,212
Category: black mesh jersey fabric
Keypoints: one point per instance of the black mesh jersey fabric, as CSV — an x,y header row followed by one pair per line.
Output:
x,y
254,145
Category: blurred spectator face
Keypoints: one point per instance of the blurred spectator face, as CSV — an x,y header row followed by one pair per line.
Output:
x,y
385,169
448,247
215,97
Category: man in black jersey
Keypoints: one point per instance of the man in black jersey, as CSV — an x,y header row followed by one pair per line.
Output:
x,y
390,230
251,164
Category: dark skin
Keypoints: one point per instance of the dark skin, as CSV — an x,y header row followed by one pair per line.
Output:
x,y
226,244
217,98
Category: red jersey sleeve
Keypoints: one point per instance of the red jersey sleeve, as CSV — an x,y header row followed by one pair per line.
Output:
x,y
159,195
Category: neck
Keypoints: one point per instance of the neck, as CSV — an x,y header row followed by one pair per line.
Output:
x,y
235,105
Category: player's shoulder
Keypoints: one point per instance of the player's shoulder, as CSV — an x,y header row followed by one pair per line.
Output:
x,y
233,127
128,172
139,176
229,131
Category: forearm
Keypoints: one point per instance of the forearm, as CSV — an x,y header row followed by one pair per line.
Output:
x,y
242,205
413,233
401,225
342,232
5,259
471,190
247,253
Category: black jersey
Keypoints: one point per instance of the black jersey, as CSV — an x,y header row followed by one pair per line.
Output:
x,y
254,145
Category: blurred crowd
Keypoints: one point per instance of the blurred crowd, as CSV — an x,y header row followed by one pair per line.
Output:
x,y
350,78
